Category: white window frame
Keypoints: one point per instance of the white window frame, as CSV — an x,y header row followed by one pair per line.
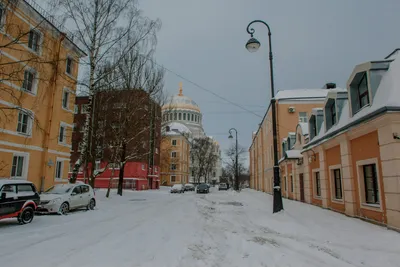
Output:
x,y
97,165
83,110
29,123
39,42
314,181
61,170
25,165
361,186
332,168
156,150
173,153
174,142
34,81
76,109
65,139
301,118
71,67
67,92
143,167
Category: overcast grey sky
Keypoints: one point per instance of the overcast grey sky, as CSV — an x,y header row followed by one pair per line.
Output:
x,y
314,41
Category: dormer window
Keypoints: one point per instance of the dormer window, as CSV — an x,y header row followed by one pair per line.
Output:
x,y
332,109
362,91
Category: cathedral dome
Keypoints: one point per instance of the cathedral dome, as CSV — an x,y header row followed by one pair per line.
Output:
x,y
180,102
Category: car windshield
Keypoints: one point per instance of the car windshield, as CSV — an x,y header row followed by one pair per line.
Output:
x,y
176,186
60,189
202,186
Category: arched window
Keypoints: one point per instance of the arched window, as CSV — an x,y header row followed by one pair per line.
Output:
x,y
175,116
192,117
180,116
170,116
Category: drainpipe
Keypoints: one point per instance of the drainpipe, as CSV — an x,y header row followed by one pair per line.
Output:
x,y
50,111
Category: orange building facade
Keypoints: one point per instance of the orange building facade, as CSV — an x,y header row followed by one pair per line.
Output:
x,y
39,68
175,155
346,158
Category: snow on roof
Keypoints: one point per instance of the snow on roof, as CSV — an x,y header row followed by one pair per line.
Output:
x,y
11,181
302,93
293,154
176,128
387,95
304,127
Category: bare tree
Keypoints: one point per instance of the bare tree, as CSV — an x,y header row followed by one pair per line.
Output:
x,y
102,26
230,163
203,158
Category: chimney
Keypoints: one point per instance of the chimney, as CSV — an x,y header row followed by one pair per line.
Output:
x,y
329,86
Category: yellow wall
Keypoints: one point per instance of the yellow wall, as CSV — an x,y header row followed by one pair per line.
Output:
x,y
41,146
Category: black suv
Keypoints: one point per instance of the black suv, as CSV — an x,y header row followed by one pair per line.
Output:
x,y
18,199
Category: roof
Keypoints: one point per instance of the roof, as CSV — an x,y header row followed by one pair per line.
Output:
x,y
176,128
293,154
180,101
387,97
303,93
304,127
12,181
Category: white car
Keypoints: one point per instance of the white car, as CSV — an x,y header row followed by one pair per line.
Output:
x,y
177,188
65,197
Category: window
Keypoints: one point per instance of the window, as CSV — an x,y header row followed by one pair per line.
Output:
x,y
173,154
2,16
34,40
303,117
84,108
173,167
25,190
62,138
362,91
155,169
97,165
174,142
338,183
156,150
143,167
170,116
192,117
17,167
65,99
291,183
84,189
29,80
184,116
180,116
317,184
24,123
77,190
59,169
76,109
333,113
69,65
9,189
371,184
175,116
285,183
173,178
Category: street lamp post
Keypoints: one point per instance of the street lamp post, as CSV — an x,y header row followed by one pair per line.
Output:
x,y
237,159
252,46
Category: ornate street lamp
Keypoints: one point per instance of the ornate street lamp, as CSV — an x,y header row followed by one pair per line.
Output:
x,y
253,45
237,158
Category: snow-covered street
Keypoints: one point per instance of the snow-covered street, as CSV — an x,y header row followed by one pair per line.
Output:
x,y
155,228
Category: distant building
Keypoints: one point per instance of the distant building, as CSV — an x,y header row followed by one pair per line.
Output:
x,y
112,109
38,77
181,110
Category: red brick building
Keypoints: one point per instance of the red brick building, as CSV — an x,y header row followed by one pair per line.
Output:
x,y
126,125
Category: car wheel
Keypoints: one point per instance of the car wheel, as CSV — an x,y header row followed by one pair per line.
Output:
x,y
26,215
91,205
64,208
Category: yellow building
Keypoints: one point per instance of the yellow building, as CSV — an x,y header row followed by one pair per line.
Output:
x,y
175,155
38,77
292,107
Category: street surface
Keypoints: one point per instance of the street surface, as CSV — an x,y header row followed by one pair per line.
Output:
x,y
155,228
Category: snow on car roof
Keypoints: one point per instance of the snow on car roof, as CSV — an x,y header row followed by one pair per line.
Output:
x,y
11,181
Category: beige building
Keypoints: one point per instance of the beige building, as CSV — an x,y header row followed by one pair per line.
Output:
x,y
346,158
175,153
39,68
292,107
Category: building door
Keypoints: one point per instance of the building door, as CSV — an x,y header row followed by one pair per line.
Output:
x,y
302,199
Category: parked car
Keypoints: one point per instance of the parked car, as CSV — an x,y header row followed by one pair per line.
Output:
x,y
189,187
222,186
18,199
203,188
62,198
177,188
